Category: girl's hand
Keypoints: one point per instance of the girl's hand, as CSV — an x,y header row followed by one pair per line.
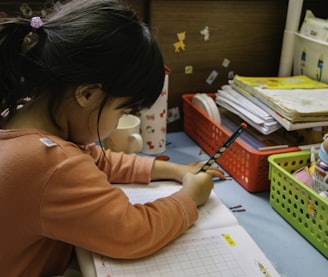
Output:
x,y
198,187
173,171
213,171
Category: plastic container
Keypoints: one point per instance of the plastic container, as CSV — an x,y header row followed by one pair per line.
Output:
x,y
320,176
298,204
248,167
320,182
311,58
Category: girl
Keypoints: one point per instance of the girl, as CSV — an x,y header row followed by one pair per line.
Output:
x,y
65,80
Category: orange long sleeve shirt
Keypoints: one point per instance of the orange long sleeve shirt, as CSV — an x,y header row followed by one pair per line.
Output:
x,y
54,195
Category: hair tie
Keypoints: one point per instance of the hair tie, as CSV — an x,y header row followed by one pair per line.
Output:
x,y
32,38
36,22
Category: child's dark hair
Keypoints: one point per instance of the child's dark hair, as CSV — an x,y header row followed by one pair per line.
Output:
x,y
80,42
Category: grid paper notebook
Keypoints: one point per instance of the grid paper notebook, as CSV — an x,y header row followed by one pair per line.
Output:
x,y
215,246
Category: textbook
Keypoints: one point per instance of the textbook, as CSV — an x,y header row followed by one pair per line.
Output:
x,y
294,109
296,98
290,82
240,105
216,245
287,124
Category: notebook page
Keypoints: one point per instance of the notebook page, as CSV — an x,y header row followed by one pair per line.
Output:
x,y
224,252
213,214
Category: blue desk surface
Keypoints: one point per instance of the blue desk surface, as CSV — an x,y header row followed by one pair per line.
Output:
x,y
289,252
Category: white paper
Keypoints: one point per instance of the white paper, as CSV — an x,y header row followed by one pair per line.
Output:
x,y
213,214
222,248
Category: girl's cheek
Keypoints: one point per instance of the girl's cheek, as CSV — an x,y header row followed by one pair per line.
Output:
x,y
110,123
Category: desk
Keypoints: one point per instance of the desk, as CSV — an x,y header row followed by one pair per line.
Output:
x,y
292,255
289,252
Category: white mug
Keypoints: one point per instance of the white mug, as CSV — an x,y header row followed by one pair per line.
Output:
x,y
126,137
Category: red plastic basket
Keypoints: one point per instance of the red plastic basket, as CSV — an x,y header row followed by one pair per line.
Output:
x,y
248,167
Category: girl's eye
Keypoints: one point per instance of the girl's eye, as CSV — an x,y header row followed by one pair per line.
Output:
x,y
135,111
126,112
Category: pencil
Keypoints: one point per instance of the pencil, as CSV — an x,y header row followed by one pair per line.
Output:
x,y
224,146
273,147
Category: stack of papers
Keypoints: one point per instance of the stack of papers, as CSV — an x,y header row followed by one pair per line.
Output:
x,y
296,102
240,105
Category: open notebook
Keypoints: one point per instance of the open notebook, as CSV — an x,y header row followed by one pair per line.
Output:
x,y
216,245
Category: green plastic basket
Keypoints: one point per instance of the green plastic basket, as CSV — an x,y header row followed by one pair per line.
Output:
x,y
298,204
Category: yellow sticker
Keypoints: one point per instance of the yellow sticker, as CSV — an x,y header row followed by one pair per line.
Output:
x,y
229,240
188,69
263,270
180,44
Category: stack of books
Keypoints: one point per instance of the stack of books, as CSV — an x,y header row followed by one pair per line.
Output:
x,y
295,102
240,105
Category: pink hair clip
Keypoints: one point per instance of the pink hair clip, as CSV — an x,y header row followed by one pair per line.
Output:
x,y
36,22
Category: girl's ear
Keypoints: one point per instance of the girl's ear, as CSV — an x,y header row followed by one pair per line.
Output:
x,y
87,94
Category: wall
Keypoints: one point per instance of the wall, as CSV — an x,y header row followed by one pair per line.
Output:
x,y
246,32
